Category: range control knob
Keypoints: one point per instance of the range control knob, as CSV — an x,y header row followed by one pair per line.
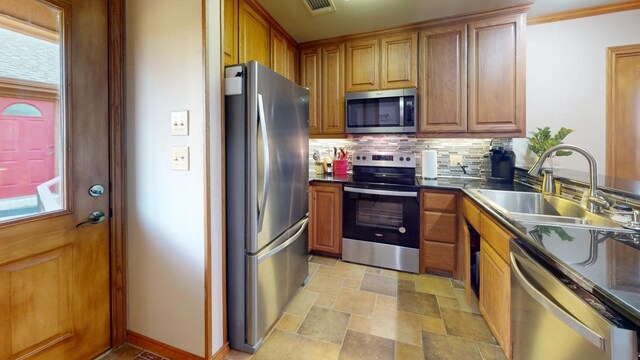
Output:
x,y
364,158
357,157
408,158
401,158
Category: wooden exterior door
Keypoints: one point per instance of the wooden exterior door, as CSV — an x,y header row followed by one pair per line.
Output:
x,y
623,112
54,276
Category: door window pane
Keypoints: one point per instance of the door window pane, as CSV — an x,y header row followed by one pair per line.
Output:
x,y
31,110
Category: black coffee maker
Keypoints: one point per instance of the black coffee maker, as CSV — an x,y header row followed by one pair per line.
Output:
x,y
503,165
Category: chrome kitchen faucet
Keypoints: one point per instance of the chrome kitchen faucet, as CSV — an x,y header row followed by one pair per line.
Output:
x,y
596,201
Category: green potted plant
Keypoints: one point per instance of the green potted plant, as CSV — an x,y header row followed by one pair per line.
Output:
x,y
541,140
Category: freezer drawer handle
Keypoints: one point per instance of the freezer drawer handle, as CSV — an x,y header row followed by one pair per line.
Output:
x,y
284,244
381,192
558,312
265,162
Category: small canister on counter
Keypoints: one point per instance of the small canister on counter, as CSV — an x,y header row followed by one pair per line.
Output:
x,y
319,167
340,167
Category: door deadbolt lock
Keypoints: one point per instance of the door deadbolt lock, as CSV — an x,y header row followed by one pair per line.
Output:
x,y
96,190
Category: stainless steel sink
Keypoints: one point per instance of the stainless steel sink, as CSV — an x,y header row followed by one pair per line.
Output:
x,y
530,207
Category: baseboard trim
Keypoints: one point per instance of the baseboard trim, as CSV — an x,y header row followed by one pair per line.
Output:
x,y
220,354
160,348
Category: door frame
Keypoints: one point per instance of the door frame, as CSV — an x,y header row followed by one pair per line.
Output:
x,y
613,53
117,165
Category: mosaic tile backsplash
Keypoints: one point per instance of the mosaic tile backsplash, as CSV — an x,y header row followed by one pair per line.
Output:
x,y
472,150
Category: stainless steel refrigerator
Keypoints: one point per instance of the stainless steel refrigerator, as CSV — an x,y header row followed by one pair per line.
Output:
x,y
267,179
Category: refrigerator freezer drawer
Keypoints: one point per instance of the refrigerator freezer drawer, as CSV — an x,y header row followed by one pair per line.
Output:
x,y
273,277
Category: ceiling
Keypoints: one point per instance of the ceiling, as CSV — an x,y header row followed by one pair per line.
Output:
x,y
357,16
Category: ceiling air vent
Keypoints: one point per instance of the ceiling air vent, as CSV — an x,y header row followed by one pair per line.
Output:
x,y
318,7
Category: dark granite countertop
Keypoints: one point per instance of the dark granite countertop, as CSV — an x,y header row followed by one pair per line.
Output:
x,y
329,178
606,264
443,183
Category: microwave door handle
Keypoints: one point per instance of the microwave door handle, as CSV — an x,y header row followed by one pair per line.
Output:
x,y
401,106
554,309
262,122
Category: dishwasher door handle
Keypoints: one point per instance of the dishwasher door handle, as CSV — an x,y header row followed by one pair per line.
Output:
x,y
557,311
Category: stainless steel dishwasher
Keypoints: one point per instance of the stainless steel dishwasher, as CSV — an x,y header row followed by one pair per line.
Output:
x,y
554,318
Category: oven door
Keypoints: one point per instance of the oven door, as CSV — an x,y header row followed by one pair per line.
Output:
x,y
381,216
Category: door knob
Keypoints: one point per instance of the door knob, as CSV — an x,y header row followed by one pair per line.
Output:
x,y
95,217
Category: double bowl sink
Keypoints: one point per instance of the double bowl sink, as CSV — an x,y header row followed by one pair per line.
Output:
x,y
536,208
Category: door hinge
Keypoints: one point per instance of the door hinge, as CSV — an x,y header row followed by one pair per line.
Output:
x,y
110,213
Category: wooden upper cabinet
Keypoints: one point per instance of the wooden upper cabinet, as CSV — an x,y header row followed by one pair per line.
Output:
x,y
278,53
230,32
254,36
291,63
497,75
362,66
442,100
399,61
310,77
333,89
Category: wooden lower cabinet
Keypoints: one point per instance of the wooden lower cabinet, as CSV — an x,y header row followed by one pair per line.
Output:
x,y
438,232
495,271
439,256
325,218
495,295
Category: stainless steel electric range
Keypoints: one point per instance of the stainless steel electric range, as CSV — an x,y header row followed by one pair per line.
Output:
x,y
381,212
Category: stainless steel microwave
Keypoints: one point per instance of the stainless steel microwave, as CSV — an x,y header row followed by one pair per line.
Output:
x,y
389,111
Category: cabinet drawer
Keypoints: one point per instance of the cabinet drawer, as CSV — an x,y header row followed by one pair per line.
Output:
x,y
443,202
471,213
439,227
438,256
497,237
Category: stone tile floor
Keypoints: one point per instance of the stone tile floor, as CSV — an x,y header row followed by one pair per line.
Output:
x,y
355,312
130,352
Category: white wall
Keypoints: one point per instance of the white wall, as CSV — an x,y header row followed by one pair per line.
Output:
x,y
215,164
165,223
566,80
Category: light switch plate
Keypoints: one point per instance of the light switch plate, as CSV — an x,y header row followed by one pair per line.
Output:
x,y
180,123
455,160
180,158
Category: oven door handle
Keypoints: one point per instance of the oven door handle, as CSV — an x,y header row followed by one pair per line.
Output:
x,y
381,192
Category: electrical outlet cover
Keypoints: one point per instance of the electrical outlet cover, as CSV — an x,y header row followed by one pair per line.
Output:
x,y
180,123
180,158
455,160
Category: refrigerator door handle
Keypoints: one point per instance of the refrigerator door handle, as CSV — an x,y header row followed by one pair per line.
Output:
x,y
558,312
288,242
262,122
